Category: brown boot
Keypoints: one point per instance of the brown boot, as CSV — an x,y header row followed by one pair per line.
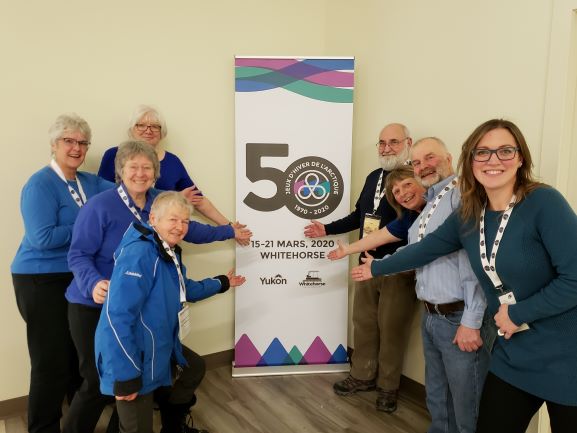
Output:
x,y
387,400
350,385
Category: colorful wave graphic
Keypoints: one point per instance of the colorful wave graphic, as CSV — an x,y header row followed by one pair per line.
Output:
x,y
247,355
329,80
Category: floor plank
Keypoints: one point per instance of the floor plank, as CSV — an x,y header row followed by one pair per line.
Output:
x,y
282,404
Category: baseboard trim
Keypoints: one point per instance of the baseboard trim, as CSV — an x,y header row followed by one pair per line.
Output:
x,y
413,390
219,359
409,388
13,406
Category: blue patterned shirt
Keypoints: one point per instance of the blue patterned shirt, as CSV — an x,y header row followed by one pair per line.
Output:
x,y
449,278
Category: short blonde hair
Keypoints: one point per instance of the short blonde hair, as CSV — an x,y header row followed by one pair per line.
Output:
x,y
128,150
168,200
69,122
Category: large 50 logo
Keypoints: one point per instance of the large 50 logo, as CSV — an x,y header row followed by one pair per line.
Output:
x,y
310,187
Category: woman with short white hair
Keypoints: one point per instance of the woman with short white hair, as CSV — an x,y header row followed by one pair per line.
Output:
x,y
50,202
147,124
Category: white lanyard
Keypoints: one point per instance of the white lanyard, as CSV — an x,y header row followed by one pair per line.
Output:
x,y
489,263
378,193
124,196
424,220
172,255
80,200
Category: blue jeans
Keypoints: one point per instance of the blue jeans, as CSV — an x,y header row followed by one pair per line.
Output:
x,y
453,379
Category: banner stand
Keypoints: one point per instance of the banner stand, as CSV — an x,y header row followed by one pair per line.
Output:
x,y
281,370
293,145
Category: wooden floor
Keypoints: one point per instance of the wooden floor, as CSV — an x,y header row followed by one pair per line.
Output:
x,y
283,404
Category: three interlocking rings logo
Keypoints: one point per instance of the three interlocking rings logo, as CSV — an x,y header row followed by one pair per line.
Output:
x,y
311,187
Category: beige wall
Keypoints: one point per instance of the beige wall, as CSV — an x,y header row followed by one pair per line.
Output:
x,y
440,67
102,59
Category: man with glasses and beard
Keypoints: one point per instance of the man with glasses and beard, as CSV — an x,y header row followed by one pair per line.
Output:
x,y
382,306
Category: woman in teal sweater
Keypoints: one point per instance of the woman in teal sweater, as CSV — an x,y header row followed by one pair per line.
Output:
x,y
519,237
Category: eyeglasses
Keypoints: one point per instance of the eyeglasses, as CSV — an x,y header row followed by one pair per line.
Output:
x,y
143,127
503,153
71,142
393,143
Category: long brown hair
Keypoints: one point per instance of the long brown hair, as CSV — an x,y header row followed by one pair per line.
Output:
x,y
396,175
473,195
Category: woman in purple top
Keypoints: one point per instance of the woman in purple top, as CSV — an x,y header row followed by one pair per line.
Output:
x,y
147,124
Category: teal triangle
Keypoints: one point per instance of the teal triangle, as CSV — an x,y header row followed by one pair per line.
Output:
x,y
295,355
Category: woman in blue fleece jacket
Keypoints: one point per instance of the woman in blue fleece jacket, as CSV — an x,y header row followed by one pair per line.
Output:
x,y
97,233
137,338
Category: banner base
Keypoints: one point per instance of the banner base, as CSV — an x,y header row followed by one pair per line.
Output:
x,y
281,370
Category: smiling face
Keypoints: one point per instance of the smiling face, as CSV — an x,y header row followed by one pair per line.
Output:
x,y
138,175
495,174
431,162
147,129
409,194
171,224
393,147
69,152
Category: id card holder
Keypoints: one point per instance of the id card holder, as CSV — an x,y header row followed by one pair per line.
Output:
x,y
371,223
184,322
508,298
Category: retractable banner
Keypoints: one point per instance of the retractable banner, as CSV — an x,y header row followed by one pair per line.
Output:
x,y
293,119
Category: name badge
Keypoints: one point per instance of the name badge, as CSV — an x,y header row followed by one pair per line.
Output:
x,y
184,322
508,298
371,224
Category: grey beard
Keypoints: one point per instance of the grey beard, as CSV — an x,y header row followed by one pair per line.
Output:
x,y
389,163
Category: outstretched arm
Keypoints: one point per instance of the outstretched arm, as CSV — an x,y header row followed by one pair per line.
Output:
x,y
209,211
367,243
315,230
363,272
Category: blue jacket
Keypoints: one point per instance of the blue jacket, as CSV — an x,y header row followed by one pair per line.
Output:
x,y
97,233
137,335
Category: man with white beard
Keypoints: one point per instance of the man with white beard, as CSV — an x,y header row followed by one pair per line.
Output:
x,y
382,306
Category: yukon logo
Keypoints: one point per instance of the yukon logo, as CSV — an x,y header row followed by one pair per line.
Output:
x,y
276,280
312,279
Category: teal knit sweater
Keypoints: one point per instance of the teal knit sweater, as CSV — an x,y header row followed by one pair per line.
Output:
x,y
537,259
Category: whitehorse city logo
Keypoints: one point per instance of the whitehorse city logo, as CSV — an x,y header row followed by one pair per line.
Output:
x,y
312,279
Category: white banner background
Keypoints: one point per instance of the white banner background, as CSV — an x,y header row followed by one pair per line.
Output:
x,y
274,303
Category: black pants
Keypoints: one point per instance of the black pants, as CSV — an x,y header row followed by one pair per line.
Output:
x,y
174,402
505,408
88,403
53,363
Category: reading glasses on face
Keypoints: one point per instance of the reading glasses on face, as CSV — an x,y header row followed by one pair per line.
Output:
x,y
393,143
73,142
503,153
143,127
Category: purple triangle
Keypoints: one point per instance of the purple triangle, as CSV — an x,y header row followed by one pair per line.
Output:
x,y
317,353
245,353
